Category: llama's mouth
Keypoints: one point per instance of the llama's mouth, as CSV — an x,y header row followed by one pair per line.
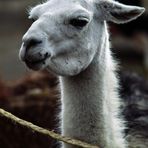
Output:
x,y
36,65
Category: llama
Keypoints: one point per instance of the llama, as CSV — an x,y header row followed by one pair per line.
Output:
x,y
70,38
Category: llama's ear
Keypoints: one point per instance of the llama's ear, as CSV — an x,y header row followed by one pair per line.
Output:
x,y
34,12
118,13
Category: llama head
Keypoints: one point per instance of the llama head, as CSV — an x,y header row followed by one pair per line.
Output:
x,y
66,35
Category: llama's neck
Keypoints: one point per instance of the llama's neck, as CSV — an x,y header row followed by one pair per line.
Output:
x,y
90,102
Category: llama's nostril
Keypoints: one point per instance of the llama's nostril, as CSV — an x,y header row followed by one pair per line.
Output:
x,y
46,55
32,43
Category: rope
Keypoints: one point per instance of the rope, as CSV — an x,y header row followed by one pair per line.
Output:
x,y
46,132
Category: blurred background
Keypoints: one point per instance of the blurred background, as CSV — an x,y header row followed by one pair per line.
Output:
x,y
33,95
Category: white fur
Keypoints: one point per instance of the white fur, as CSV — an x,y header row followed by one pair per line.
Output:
x,y
82,58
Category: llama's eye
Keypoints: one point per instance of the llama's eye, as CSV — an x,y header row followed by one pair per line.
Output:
x,y
78,22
